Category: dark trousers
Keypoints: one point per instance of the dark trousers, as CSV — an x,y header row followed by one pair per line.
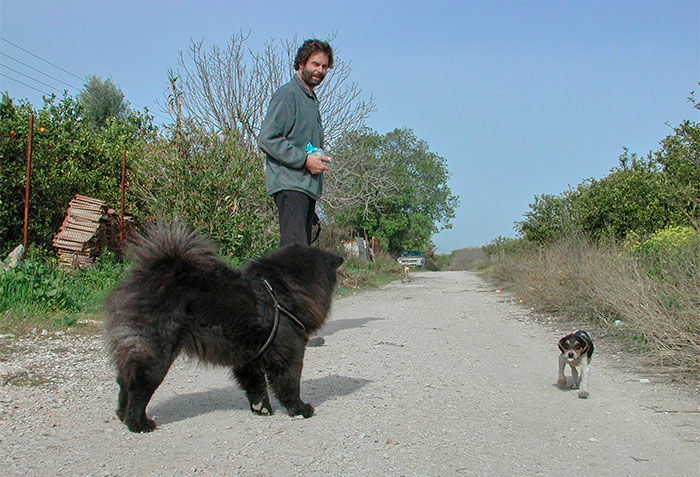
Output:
x,y
296,213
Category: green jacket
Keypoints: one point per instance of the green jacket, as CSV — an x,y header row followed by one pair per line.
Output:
x,y
292,121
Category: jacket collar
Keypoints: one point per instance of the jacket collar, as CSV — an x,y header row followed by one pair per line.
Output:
x,y
303,87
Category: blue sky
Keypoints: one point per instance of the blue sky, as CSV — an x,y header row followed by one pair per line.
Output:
x,y
521,97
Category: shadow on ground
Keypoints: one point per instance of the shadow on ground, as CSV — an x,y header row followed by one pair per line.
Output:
x,y
334,326
185,406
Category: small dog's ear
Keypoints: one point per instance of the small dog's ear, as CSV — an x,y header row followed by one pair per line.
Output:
x,y
561,344
584,350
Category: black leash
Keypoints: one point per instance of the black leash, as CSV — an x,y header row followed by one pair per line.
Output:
x,y
317,222
276,322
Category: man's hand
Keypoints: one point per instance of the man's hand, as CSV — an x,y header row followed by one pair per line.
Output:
x,y
317,164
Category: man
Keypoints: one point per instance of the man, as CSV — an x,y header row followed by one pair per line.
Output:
x,y
292,126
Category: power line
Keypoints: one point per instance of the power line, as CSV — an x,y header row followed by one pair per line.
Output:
x,y
40,58
55,66
27,76
25,84
39,71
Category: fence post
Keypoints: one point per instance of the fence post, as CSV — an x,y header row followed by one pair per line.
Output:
x,y
26,187
121,214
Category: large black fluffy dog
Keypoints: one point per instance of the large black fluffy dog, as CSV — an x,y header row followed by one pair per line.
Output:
x,y
180,296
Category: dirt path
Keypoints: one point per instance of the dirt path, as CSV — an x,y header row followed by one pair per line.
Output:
x,y
438,376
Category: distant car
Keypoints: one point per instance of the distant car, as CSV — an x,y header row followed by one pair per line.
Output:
x,y
412,258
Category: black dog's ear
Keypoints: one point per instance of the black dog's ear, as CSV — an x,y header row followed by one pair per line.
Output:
x,y
335,260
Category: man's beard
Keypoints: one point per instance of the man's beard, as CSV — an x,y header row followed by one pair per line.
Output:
x,y
308,78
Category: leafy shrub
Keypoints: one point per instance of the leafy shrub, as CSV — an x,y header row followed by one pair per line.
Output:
x,y
37,292
501,246
629,199
210,182
641,195
34,286
549,219
668,250
37,284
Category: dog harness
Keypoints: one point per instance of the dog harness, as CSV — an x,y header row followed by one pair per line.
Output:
x,y
276,322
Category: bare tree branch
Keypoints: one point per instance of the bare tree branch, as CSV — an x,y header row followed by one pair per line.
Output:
x,y
358,176
229,89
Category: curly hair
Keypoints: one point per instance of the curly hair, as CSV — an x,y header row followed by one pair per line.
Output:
x,y
308,48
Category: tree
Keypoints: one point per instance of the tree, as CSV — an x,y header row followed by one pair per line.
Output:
x,y
359,177
641,196
229,89
551,217
403,197
679,158
68,157
101,100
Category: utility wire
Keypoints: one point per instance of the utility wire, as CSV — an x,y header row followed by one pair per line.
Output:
x,y
55,66
39,71
25,84
27,76
40,58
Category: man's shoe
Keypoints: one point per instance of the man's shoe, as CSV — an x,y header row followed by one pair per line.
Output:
x,y
315,341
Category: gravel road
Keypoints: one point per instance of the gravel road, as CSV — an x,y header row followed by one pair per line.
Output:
x,y
435,376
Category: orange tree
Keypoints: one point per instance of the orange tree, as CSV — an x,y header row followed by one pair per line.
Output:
x,y
68,157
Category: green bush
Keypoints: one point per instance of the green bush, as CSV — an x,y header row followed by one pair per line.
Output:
x,y
501,246
666,251
549,219
34,286
206,180
38,292
641,195
212,183
628,199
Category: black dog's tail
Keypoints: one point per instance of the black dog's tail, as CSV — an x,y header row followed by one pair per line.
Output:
x,y
163,243
167,258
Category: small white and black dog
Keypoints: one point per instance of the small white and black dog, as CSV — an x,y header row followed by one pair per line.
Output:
x,y
576,351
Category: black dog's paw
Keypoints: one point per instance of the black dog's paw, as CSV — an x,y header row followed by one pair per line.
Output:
x,y
305,410
144,425
262,408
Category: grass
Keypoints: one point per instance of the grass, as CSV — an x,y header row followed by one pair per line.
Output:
x,y
606,287
38,296
355,275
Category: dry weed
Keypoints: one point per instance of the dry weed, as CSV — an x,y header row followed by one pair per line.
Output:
x,y
604,286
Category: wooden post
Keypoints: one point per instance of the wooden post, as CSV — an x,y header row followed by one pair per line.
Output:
x,y
26,187
121,214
